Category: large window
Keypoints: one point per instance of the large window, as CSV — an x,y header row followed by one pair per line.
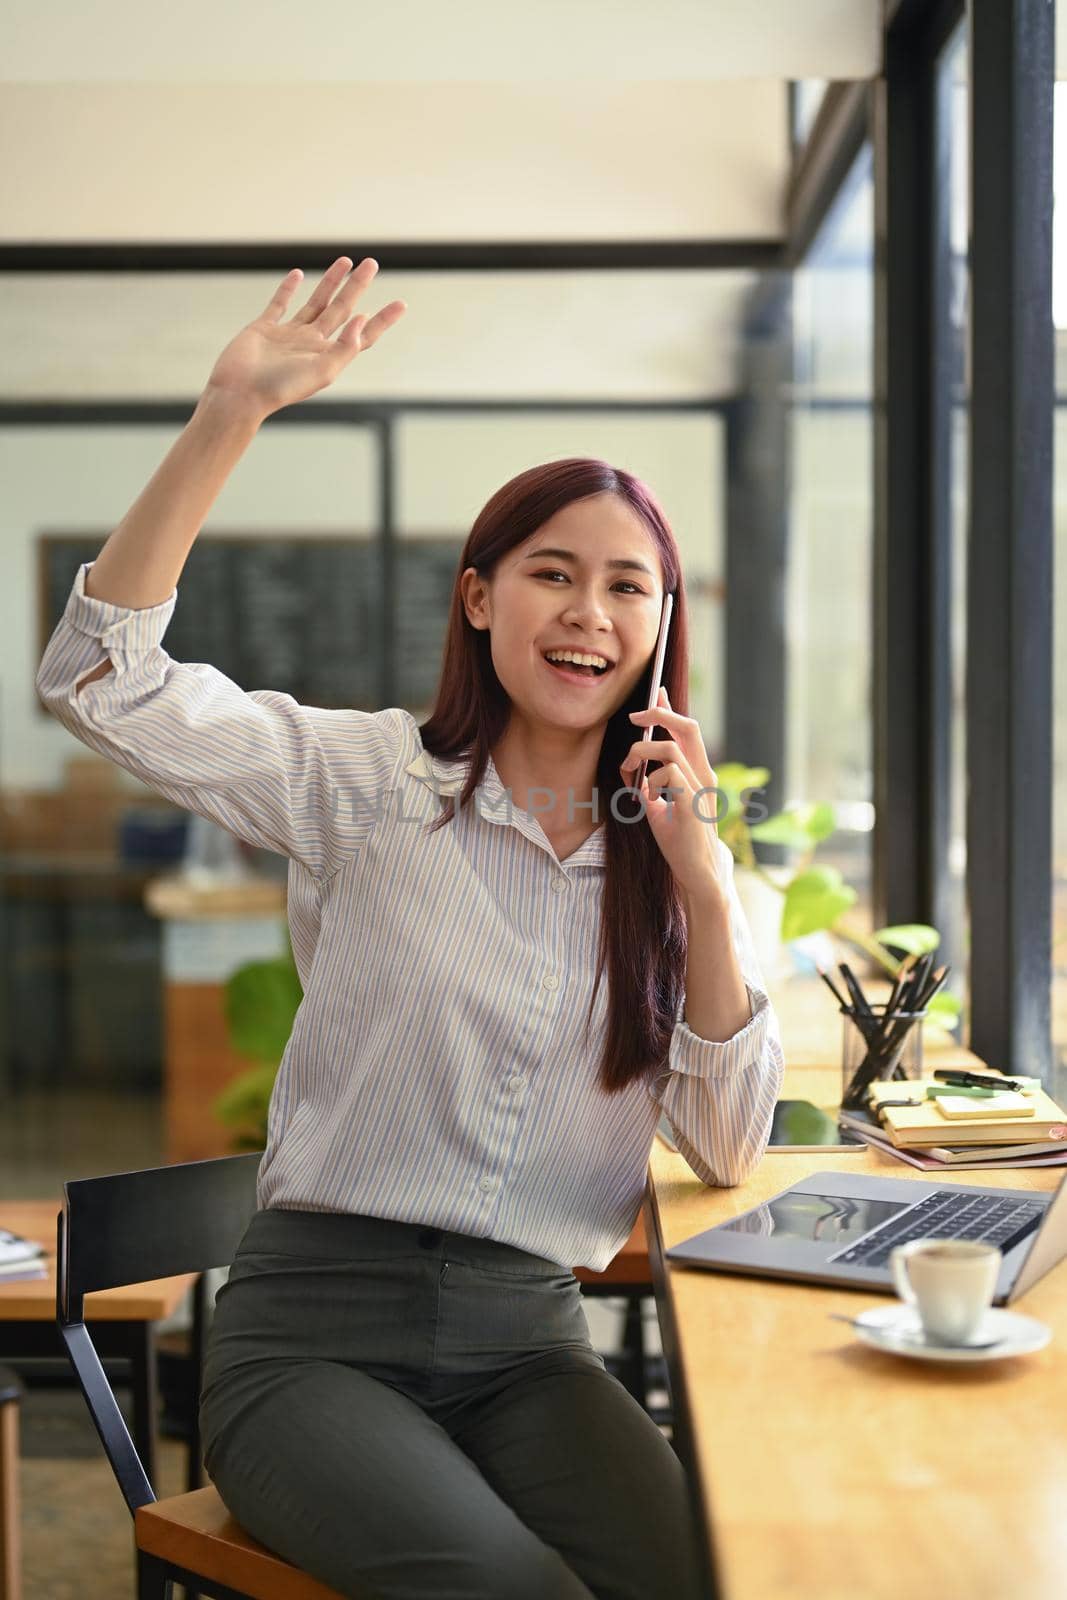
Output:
x,y
828,755
951,313
1059,685
114,1042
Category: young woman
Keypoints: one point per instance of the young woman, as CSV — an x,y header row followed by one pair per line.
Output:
x,y
400,1395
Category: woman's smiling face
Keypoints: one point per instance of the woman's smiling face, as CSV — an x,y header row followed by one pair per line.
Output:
x,y
603,597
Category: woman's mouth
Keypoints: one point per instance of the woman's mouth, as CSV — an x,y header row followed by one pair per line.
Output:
x,y
572,672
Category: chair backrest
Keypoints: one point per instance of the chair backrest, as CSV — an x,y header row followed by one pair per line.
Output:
x,y
128,1227
132,1227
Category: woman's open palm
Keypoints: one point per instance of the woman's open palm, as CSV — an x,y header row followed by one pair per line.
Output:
x,y
272,363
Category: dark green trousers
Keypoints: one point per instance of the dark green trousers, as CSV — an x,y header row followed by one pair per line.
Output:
x,y
408,1413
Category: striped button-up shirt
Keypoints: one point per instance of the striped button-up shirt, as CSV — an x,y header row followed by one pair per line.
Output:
x,y
436,1070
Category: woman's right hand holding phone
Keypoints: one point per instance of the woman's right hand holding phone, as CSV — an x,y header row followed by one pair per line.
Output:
x,y
273,363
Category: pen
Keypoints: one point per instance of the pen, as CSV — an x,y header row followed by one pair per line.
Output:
x,y
975,1080
862,1003
898,984
834,990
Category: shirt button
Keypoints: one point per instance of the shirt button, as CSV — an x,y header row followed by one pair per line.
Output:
x,y
550,980
486,1184
515,1083
558,885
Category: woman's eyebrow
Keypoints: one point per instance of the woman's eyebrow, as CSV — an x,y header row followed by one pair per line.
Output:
x,y
568,555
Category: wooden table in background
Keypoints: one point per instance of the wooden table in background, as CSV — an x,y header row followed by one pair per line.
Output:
x,y
121,1321
824,1469
199,1060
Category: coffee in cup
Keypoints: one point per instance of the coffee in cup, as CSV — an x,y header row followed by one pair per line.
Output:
x,y
950,1282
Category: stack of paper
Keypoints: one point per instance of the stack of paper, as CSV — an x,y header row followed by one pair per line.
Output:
x,y
20,1258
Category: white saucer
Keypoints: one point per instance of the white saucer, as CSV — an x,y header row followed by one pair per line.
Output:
x,y
897,1329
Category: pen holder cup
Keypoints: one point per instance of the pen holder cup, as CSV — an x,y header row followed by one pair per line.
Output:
x,y
885,1045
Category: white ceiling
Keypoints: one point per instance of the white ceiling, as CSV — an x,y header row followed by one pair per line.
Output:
x,y
437,41
369,164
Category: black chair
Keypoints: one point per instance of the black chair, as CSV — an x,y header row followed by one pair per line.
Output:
x,y
133,1227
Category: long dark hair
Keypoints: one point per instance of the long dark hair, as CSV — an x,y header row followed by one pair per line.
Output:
x,y
642,926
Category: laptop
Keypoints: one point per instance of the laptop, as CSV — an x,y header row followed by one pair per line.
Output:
x,y
839,1227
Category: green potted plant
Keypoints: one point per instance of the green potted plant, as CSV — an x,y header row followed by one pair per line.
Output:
x,y
815,897
261,1002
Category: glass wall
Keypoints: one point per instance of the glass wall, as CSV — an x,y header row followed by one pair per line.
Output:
x,y
828,754
951,313
807,97
1059,683
123,916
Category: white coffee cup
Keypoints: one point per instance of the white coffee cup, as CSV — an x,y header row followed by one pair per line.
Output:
x,y
950,1282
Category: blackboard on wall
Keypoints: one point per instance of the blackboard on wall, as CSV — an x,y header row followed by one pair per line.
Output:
x,y
425,574
305,616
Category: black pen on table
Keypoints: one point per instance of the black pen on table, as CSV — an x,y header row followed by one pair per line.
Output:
x,y
834,990
962,1079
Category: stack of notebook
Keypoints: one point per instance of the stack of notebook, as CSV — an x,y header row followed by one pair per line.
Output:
x,y
20,1257
1008,1128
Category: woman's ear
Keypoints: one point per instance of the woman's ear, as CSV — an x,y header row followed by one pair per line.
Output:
x,y
474,592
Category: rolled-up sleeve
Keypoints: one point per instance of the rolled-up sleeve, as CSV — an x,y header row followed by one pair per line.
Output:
x,y
719,1096
303,781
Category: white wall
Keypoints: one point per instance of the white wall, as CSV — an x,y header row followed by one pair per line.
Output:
x,y
465,335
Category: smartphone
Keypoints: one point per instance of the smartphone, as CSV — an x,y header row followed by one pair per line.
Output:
x,y
657,678
799,1125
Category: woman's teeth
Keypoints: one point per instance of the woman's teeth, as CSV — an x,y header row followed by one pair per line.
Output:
x,y
582,662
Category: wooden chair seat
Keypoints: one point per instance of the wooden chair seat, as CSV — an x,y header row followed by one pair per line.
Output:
x,y
629,1270
195,1531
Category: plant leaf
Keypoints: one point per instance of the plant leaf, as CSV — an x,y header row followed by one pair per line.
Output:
x,y
916,938
820,820
246,1098
799,827
943,1010
814,901
731,778
782,829
262,999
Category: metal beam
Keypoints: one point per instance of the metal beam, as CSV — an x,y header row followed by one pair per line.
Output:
x,y
822,164
439,256
1009,592
901,662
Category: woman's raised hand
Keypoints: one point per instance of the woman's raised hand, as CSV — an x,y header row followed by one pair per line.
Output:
x,y
271,363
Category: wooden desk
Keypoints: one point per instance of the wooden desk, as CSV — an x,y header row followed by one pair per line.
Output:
x,y
826,1470
121,1323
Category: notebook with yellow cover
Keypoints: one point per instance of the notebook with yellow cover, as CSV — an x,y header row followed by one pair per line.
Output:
x,y
924,1124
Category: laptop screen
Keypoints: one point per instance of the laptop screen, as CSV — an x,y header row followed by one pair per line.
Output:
x,y
817,1218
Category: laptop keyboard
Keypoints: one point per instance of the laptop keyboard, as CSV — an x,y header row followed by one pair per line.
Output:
x,y
946,1214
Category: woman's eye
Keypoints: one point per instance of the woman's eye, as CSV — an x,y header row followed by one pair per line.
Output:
x,y
632,587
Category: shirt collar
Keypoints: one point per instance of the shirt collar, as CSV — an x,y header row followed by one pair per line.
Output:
x,y
447,775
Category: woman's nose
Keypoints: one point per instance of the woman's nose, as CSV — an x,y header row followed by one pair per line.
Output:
x,y
583,608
